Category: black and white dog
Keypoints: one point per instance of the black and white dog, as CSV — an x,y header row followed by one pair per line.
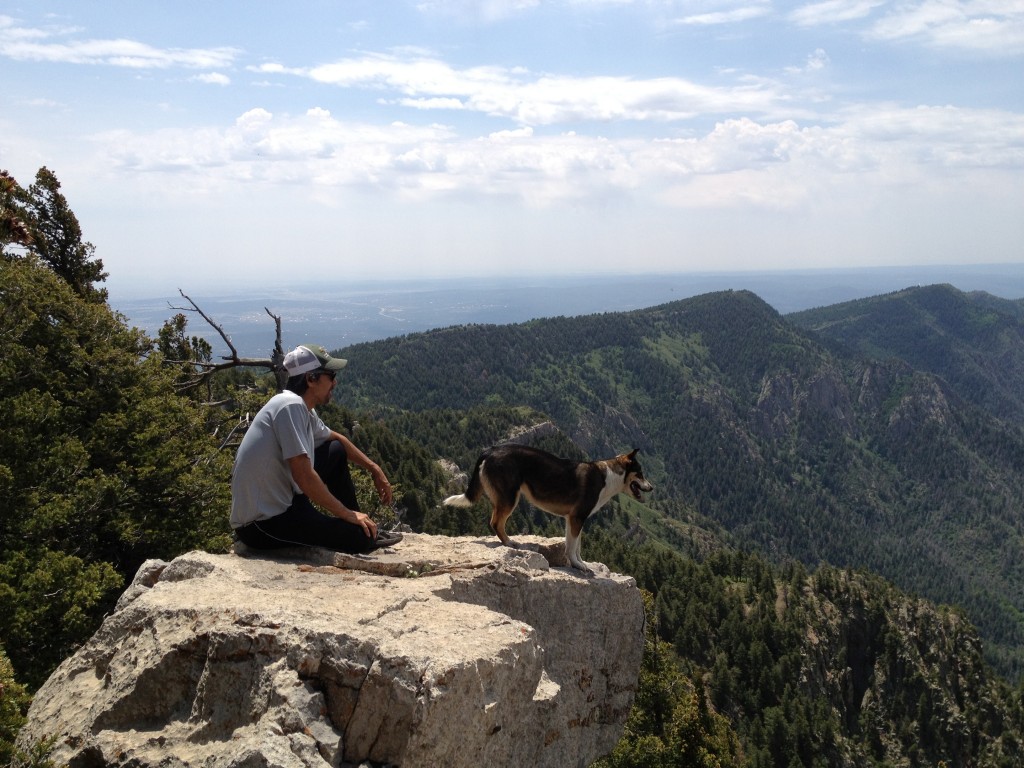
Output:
x,y
573,490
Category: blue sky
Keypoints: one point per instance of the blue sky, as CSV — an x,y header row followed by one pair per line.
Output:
x,y
255,143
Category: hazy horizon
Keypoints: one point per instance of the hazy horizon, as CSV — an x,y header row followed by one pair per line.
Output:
x,y
338,314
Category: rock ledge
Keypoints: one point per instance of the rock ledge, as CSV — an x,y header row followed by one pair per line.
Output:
x,y
442,651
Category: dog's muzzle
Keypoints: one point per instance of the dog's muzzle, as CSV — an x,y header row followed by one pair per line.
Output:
x,y
638,488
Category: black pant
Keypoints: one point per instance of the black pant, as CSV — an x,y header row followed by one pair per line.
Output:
x,y
303,525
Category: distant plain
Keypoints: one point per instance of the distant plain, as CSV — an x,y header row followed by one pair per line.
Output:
x,y
338,314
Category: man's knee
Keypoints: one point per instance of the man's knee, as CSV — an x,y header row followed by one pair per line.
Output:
x,y
331,462
329,457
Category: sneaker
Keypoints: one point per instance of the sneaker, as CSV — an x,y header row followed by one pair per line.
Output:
x,y
387,539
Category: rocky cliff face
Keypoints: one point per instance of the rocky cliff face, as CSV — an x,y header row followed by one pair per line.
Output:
x,y
444,651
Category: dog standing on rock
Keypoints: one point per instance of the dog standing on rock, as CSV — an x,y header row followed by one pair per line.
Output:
x,y
570,489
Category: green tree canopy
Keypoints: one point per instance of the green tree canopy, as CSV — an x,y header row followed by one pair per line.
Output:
x,y
55,236
14,700
102,465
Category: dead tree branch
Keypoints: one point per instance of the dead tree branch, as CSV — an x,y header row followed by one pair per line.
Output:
x,y
204,370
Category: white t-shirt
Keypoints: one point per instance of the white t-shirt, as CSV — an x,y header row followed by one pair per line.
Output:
x,y
261,482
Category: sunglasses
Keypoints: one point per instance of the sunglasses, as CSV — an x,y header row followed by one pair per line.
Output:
x,y
330,374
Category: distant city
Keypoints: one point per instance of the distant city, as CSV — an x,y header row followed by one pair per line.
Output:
x,y
341,314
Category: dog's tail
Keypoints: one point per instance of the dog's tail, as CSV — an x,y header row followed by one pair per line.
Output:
x,y
473,491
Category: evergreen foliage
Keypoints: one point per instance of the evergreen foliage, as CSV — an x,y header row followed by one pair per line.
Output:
x,y
40,220
14,701
834,668
973,341
101,464
672,723
749,424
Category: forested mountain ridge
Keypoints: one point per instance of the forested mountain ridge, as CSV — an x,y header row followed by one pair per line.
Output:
x,y
973,341
836,669
799,448
748,664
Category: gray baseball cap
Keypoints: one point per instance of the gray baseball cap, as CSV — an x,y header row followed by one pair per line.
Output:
x,y
310,357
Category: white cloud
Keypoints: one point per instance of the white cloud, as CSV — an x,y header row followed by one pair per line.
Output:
x,y
44,103
27,44
484,10
531,99
994,27
519,133
270,68
816,61
432,103
213,78
730,16
941,137
989,26
279,149
411,75
739,163
833,11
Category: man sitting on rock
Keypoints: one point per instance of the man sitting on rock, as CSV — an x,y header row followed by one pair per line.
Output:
x,y
290,460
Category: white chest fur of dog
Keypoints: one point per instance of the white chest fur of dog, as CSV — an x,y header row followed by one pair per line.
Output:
x,y
570,489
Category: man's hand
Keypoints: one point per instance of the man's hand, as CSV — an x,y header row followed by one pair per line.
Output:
x,y
361,518
380,482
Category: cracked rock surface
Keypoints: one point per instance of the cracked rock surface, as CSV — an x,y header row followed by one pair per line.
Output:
x,y
440,652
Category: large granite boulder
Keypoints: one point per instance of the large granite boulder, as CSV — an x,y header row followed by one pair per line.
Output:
x,y
442,652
